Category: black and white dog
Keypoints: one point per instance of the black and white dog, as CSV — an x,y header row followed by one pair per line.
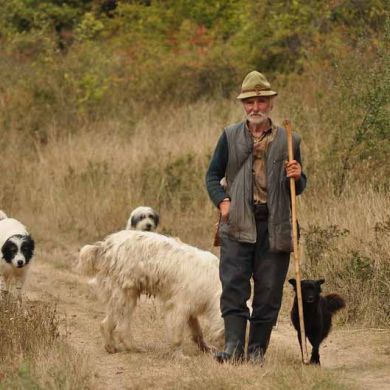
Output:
x,y
17,249
144,219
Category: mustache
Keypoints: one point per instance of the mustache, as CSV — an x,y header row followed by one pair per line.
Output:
x,y
257,118
260,114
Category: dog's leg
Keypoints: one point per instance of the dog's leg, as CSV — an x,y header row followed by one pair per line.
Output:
x,y
315,353
197,335
176,321
107,326
127,304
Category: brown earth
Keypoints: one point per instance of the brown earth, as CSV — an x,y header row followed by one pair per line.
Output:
x,y
361,357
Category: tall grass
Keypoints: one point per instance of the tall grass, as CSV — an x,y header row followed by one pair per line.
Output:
x,y
88,137
78,187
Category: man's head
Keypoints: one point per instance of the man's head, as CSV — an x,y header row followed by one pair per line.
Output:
x,y
257,97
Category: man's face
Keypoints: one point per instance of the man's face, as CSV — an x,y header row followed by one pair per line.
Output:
x,y
257,109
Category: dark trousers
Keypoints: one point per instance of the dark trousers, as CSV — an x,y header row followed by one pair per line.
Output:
x,y
241,261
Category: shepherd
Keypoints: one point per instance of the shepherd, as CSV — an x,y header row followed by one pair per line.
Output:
x,y
255,219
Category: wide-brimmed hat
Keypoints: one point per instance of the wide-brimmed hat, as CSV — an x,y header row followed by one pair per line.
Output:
x,y
255,84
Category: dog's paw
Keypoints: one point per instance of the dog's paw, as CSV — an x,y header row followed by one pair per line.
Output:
x,y
110,348
205,348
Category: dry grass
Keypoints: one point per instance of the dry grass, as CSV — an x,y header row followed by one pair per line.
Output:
x,y
32,352
346,240
75,187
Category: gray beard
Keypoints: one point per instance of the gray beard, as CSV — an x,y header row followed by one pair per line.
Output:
x,y
257,120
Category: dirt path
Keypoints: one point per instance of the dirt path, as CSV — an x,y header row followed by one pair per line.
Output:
x,y
363,356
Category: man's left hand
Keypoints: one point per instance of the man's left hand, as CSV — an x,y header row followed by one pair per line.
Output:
x,y
293,169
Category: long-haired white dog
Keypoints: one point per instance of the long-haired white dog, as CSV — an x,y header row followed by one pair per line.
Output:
x,y
16,251
142,218
129,263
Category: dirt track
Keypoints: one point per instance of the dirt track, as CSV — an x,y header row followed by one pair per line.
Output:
x,y
363,356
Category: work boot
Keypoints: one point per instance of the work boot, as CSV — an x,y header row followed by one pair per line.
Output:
x,y
259,335
235,328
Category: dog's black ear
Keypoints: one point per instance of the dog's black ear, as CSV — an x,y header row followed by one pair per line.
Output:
x,y
293,282
321,281
31,243
134,220
156,219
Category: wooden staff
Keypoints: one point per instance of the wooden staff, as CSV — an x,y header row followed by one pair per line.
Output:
x,y
305,358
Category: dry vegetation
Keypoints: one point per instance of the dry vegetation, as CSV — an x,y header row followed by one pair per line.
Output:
x,y
76,187
118,118
33,353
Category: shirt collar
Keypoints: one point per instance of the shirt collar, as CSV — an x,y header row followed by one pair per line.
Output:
x,y
268,130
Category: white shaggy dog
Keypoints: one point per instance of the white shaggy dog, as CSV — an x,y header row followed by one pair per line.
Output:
x,y
129,263
143,218
17,249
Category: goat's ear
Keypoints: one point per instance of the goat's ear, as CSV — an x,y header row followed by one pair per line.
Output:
x,y
321,281
293,282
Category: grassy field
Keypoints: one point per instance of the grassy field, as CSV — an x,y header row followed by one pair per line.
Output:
x,y
73,176
76,187
105,110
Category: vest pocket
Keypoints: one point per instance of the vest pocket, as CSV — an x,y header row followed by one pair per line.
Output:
x,y
280,236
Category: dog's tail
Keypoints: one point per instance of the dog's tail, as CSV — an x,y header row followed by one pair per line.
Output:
x,y
335,302
89,256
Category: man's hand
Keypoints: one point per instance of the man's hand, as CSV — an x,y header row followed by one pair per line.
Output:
x,y
293,169
224,207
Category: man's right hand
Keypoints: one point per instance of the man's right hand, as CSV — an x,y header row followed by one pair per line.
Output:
x,y
224,207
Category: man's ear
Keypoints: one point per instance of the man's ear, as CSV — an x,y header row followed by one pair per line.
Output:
x,y
293,282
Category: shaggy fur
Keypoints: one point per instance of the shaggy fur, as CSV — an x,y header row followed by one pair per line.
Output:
x,y
17,249
317,314
143,218
185,279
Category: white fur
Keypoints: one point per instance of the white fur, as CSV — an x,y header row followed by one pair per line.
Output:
x,y
12,275
129,263
143,218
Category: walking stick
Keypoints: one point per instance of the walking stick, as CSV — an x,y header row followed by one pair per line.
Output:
x,y
304,353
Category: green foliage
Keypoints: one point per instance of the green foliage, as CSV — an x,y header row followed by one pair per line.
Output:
x,y
27,15
383,227
362,134
89,27
23,379
359,268
358,273
318,240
